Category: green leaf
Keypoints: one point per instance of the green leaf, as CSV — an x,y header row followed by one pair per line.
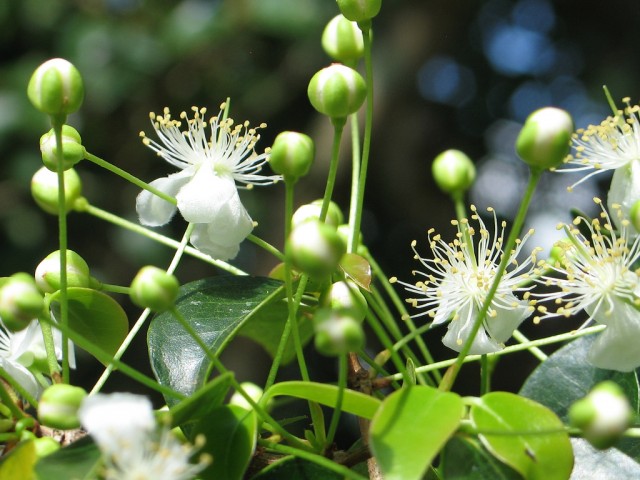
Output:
x,y
358,269
78,461
231,432
464,458
411,427
610,463
96,316
352,402
524,434
218,309
293,468
19,463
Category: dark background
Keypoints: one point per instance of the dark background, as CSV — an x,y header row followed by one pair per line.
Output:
x,y
448,74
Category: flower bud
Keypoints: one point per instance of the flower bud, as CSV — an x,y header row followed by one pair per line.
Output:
x,y
315,248
44,189
336,334
56,88
603,415
251,389
545,138
634,215
154,288
292,155
345,297
359,10
342,40
453,172
20,301
59,404
45,446
48,272
312,210
337,91
72,149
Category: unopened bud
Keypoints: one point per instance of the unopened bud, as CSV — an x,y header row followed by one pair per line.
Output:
x,y
251,389
56,88
20,301
603,415
345,297
359,10
292,155
58,406
342,40
453,172
634,215
545,138
312,210
337,91
72,149
48,272
44,189
154,288
315,248
336,334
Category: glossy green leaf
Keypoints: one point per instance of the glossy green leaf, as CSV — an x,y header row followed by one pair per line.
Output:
x,y
352,402
78,461
231,434
595,464
19,463
411,427
96,316
292,468
218,309
465,458
523,434
358,269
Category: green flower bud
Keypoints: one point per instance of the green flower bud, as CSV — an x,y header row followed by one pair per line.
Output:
x,y
44,189
603,415
315,248
634,215
251,389
48,272
359,10
545,138
59,404
345,297
342,40
292,155
56,88
336,334
453,172
45,446
337,91
312,210
20,301
72,149
154,288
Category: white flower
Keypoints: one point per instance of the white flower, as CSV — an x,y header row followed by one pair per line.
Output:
x,y
596,275
134,447
205,188
458,279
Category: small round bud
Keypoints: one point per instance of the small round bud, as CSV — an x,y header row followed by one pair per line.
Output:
x,y
45,446
336,334
292,155
312,210
48,272
44,189
545,138
56,88
20,301
346,298
315,248
453,172
342,40
154,288
337,91
634,215
359,10
251,389
603,415
72,149
59,404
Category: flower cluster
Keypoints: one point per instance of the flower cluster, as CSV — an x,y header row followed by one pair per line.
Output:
x,y
212,156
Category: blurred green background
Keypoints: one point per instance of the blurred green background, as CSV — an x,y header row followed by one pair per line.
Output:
x,y
448,74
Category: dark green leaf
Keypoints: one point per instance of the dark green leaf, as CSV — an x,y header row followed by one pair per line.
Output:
x,y
465,459
78,461
411,427
292,468
596,464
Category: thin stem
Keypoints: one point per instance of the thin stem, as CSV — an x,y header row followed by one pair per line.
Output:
x,y
181,248
266,246
535,351
333,169
450,378
355,178
19,389
107,287
10,403
50,349
342,385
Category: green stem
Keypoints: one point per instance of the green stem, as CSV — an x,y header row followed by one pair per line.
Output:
x,y
333,169
266,246
355,178
181,248
19,389
366,144
381,335
130,178
107,287
485,375
535,351
9,402
50,349
342,385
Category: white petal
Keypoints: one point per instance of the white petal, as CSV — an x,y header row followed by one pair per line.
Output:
x,y
616,348
624,189
152,210
204,195
23,376
458,332
501,327
201,240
